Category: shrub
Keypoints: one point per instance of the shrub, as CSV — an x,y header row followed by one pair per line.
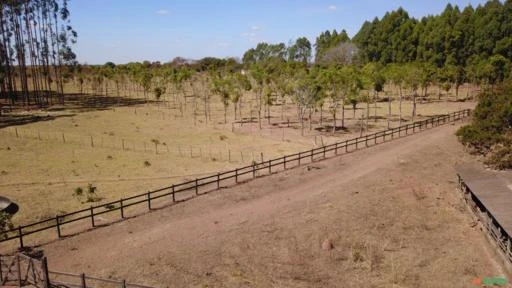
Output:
x,y
5,224
490,133
90,194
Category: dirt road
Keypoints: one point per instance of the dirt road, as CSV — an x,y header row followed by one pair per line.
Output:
x,y
387,216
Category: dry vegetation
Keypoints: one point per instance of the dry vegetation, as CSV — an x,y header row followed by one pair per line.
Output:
x,y
82,143
388,216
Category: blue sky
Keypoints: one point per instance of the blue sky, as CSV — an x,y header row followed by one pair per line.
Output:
x,y
159,30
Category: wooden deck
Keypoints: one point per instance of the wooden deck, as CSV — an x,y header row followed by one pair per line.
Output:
x,y
489,195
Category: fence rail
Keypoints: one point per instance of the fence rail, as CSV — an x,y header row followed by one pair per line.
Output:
x,y
494,230
254,170
21,270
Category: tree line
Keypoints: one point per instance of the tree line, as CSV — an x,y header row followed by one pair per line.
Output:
x,y
35,52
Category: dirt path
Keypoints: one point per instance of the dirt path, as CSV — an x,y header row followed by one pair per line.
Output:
x,y
391,214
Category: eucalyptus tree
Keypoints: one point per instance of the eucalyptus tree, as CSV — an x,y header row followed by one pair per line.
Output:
x,y
306,89
412,80
396,74
300,51
259,76
222,85
373,72
335,82
35,39
107,71
241,84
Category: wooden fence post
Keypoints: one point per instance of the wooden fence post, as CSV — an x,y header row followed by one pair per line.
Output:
x,y
18,266
82,278
58,226
253,170
149,200
92,217
269,167
46,275
197,187
299,158
218,180
312,155
122,208
1,272
123,285
20,235
284,162
236,175
173,194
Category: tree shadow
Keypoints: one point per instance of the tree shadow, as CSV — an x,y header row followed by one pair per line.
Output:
x,y
83,103
328,128
23,119
74,103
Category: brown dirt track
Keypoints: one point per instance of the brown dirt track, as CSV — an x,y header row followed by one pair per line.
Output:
x,y
391,212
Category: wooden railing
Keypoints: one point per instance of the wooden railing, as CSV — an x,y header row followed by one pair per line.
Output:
x,y
213,182
494,230
20,270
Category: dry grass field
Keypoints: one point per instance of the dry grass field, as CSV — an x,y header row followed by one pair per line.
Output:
x,y
387,216
124,146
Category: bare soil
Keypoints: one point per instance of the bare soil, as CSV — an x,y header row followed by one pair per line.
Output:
x,y
387,216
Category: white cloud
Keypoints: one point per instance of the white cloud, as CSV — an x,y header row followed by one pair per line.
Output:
x,y
332,8
253,34
162,12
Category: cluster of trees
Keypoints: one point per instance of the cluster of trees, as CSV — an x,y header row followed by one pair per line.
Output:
x,y
490,132
471,45
35,39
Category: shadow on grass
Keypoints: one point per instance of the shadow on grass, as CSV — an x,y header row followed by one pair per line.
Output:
x,y
19,119
73,103
83,103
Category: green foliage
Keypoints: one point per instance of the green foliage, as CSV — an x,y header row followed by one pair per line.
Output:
x,y
490,133
90,194
159,91
5,224
474,44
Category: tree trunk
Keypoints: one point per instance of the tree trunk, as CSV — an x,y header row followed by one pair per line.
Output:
x,y
375,106
334,121
321,115
400,108
389,111
414,105
310,120
343,113
225,114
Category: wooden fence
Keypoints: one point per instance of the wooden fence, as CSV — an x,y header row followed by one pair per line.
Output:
x,y
213,182
489,223
21,270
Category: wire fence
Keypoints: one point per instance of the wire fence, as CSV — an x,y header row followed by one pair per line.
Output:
x,y
189,189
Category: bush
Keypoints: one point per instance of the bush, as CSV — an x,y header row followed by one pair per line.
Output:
x,y
5,224
490,133
90,195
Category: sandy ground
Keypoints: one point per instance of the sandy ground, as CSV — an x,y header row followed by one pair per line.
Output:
x,y
387,216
